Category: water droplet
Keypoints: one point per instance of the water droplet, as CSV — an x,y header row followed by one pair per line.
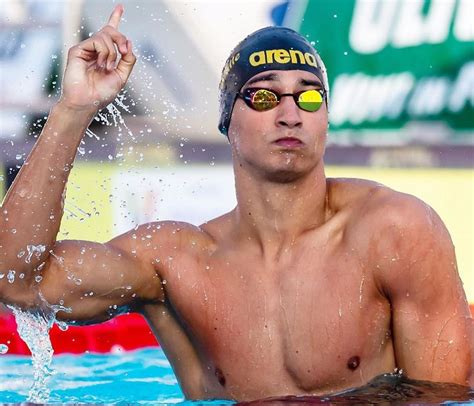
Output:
x,y
117,349
62,325
11,276
38,278
35,250
3,349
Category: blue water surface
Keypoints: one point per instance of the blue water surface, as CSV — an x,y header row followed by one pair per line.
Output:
x,y
145,377
142,376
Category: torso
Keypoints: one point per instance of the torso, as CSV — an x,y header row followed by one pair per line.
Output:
x,y
311,321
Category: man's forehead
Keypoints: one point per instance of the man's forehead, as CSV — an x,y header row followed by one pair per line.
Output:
x,y
298,76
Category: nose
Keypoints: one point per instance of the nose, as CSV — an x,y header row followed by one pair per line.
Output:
x,y
288,113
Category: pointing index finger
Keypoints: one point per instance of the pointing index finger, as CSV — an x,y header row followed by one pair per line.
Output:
x,y
116,16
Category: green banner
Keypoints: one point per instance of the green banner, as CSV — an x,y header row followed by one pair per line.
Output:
x,y
403,66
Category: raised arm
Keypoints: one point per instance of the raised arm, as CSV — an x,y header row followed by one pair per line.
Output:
x,y
31,213
432,327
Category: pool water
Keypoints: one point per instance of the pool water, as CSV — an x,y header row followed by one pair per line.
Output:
x,y
137,377
146,377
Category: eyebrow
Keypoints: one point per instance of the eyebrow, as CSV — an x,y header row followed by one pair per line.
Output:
x,y
273,77
310,82
269,77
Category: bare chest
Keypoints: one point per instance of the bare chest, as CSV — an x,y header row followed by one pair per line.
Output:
x,y
307,322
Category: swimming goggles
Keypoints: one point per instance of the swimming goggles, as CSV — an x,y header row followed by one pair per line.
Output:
x,y
260,99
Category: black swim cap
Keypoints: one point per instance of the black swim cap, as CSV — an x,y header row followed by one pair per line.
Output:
x,y
270,48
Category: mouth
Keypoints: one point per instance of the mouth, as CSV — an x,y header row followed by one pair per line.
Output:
x,y
289,142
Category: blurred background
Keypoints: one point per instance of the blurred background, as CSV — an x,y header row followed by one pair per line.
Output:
x,y
401,76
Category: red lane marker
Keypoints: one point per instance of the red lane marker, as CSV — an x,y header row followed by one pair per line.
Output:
x,y
125,332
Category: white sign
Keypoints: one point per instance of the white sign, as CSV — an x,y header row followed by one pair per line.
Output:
x,y
192,194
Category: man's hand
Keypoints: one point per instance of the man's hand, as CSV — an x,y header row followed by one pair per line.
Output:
x,y
93,77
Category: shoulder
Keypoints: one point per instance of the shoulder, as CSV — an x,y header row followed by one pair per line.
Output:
x,y
381,211
392,229
403,239
144,240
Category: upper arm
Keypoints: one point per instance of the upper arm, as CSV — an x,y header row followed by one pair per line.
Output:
x,y
432,326
96,281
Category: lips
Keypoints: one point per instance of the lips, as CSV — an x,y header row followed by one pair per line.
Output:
x,y
289,142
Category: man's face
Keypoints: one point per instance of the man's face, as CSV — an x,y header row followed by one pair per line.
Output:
x,y
286,142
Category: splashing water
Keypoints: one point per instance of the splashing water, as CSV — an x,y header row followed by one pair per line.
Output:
x,y
91,134
33,327
113,112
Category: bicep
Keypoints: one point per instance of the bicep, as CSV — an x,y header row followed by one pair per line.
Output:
x,y
432,327
433,335
96,281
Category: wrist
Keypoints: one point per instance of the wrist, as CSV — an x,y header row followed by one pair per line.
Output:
x,y
66,108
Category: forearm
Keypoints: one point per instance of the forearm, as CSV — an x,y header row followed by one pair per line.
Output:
x,y
32,209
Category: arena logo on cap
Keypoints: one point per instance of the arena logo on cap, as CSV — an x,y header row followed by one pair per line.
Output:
x,y
282,56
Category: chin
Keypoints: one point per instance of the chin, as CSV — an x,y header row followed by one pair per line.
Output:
x,y
283,169
283,175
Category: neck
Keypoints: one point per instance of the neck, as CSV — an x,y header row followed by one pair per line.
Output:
x,y
272,214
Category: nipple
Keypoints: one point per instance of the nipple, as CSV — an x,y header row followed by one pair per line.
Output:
x,y
220,376
353,363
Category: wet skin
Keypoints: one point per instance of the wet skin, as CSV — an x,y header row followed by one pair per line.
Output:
x,y
312,320
310,285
